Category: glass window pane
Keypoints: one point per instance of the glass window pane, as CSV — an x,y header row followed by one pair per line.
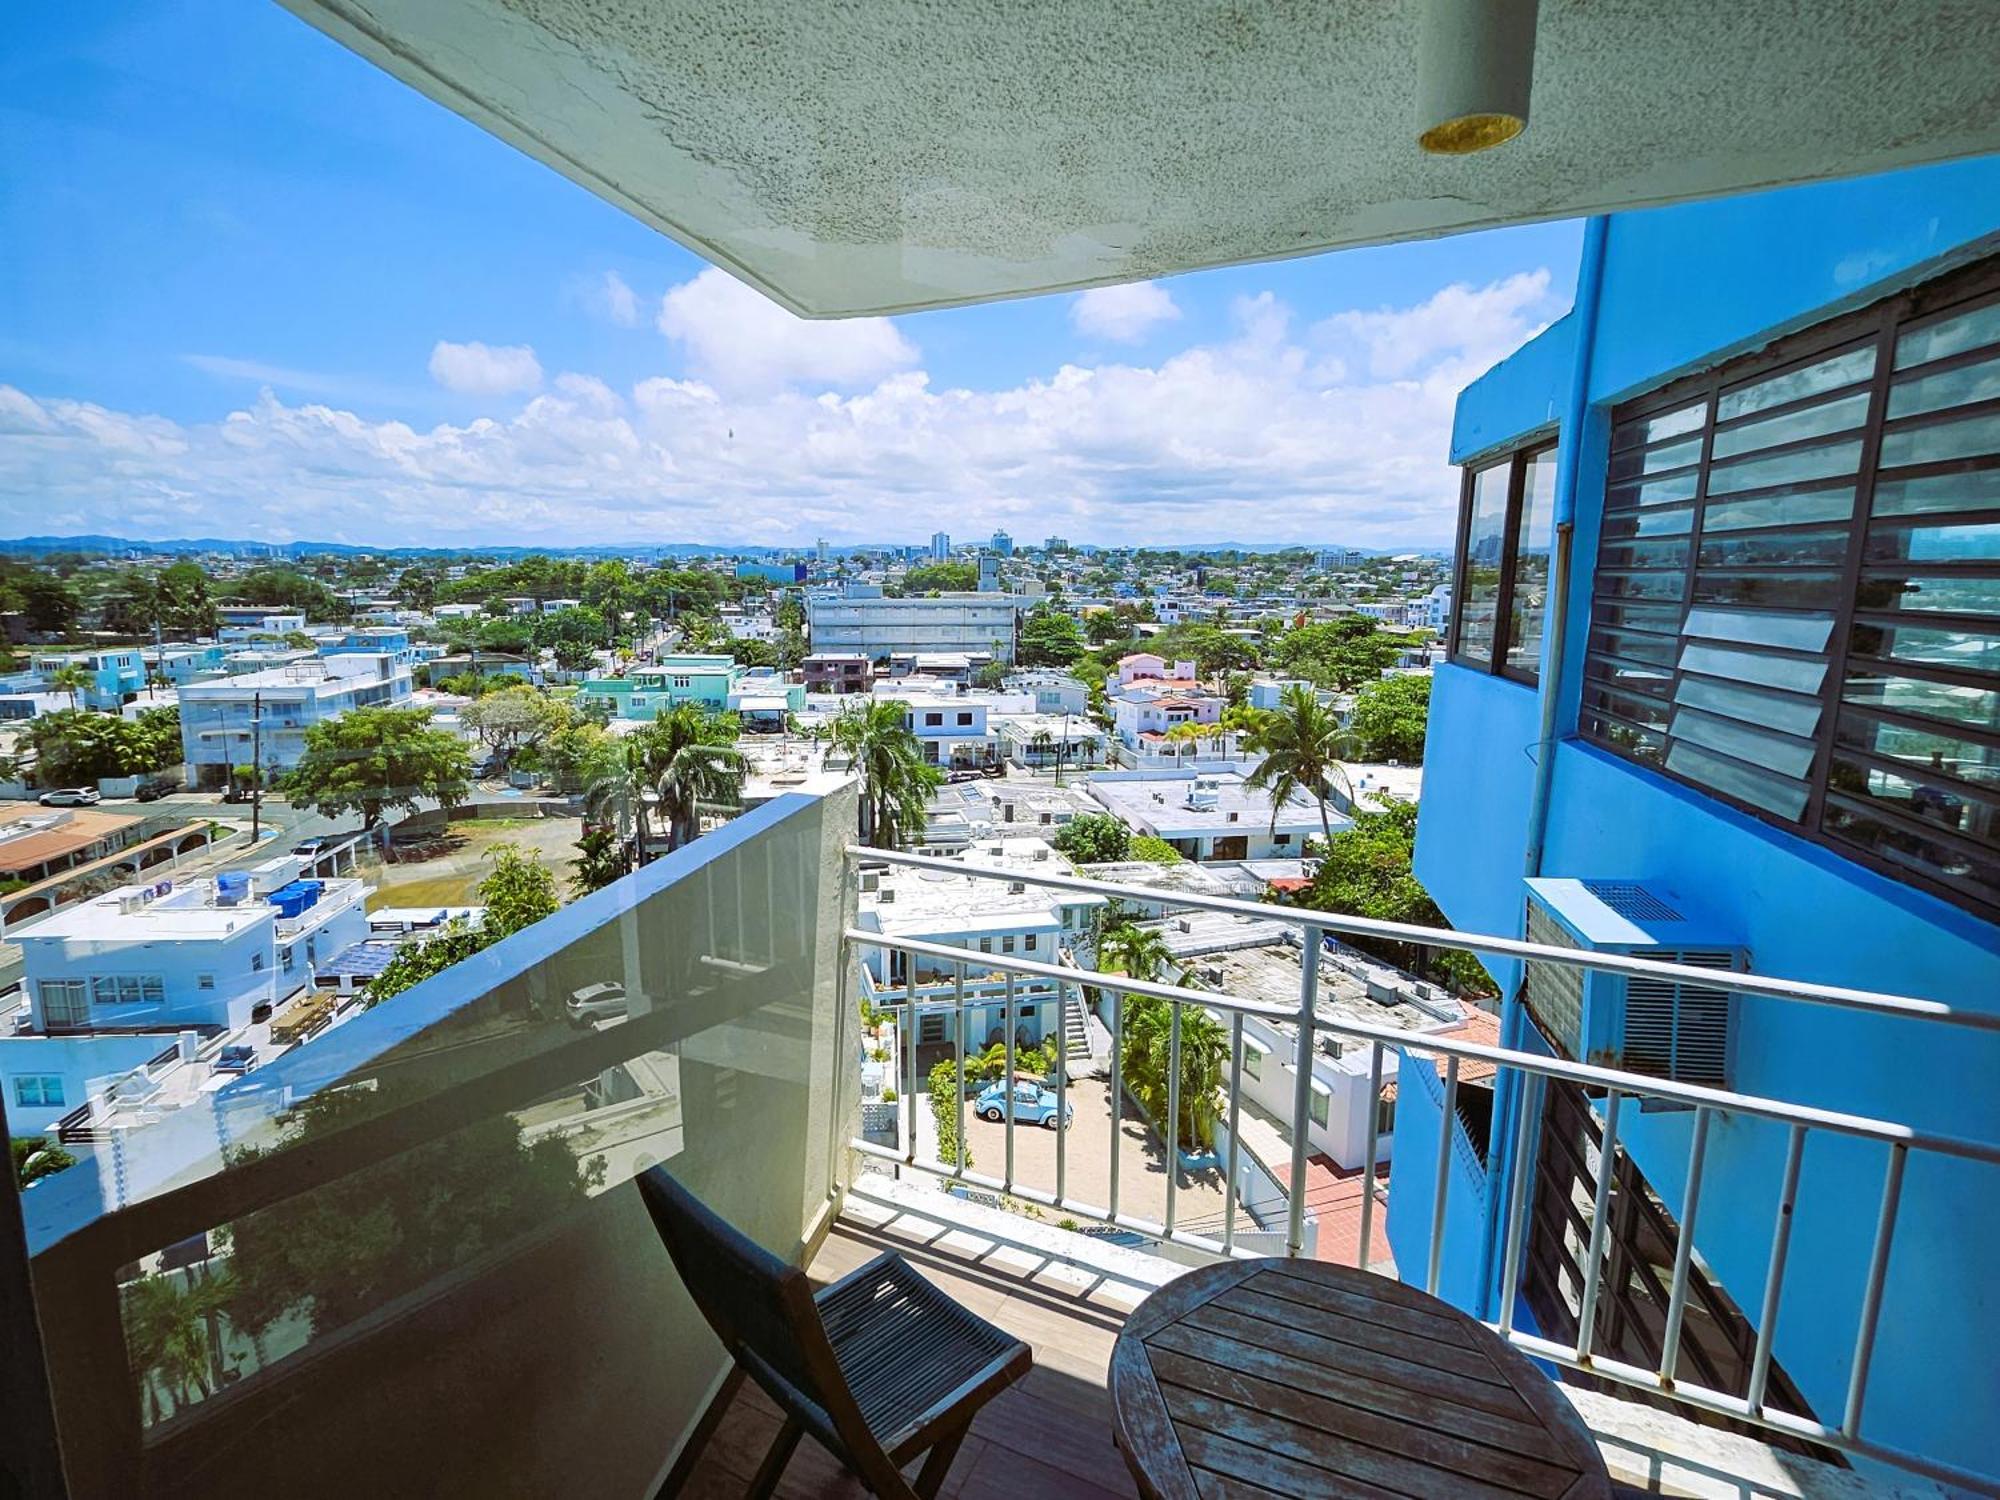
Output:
x,y
1793,673
1641,585
1644,745
1903,591
1959,387
1979,490
1779,549
1775,794
1638,709
1792,632
1669,553
1978,542
1660,426
1659,650
1795,385
1676,522
1785,508
1782,711
1793,426
1979,708
1966,438
1636,461
1897,843
1969,651
1934,751
1776,752
1484,537
1662,619
1528,604
1669,491
1779,590
1824,461
1954,335
1632,676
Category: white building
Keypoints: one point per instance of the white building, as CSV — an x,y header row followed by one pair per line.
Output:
x,y
1054,690
216,729
111,980
878,627
1210,815
984,917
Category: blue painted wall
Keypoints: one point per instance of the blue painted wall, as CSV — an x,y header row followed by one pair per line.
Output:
x,y
1685,288
1414,1144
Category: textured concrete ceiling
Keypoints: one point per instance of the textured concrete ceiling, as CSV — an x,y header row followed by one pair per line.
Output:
x,y
890,155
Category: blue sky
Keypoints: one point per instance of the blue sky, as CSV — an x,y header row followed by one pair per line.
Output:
x,y
253,286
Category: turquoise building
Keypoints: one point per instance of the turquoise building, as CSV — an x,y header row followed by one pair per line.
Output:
x,y
712,682
1724,686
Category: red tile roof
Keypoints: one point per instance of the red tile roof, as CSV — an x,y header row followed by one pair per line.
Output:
x,y
1333,1196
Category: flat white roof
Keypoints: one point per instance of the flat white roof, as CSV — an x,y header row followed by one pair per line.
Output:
x,y
1161,802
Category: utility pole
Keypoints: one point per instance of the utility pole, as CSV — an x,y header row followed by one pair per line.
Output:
x,y
256,766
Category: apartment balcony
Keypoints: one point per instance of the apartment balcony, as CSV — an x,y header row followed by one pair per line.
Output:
x,y
406,1257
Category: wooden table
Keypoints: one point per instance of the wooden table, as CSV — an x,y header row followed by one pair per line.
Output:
x,y
1294,1377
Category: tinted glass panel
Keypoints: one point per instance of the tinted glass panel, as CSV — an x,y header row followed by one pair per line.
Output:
x,y
1966,650
1953,335
1795,385
1644,745
1528,602
1781,590
1660,426
1675,522
1670,553
1794,632
1955,595
1978,490
1897,843
1793,426
1634,646
1632,676
1959,387
1484,538
1641,585
1637,461
1649,712
1977,708
1776,795
1782,549
1664,618
1796,674
1782,711
1823,461
1974,542
1935,752
1668,491
1786,508
1777,752
1941,440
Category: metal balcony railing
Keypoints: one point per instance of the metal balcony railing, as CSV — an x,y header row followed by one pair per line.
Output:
x,y
1534,1072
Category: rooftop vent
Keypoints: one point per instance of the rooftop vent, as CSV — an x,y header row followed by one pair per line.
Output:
x,y
887,894
1016,887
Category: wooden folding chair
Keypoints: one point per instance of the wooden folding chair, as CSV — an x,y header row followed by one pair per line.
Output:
x,y
879,1367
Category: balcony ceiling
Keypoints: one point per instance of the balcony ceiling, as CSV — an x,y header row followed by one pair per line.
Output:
x,y
907,154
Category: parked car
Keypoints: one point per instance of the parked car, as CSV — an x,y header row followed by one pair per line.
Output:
x,y
319,843
71,796
156,787
1030,1102
238,1057
604,1001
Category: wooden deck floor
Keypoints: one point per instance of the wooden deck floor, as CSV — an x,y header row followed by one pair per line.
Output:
x,y
1047,1436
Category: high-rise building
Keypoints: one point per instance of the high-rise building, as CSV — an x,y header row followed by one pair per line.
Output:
x,y
940,545
822,549
1003,544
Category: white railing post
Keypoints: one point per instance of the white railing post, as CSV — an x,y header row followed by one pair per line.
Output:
x,y
1684,1250
1295,1224
1448,1126
1600,1213
1871,1297
1173,1109
1229,1192
1527,1123
1774,1278
908,1033
1368,1156
1062,1098
958,1052
1009,1107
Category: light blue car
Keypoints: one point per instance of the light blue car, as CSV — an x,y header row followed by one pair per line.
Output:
x,y
1030,1102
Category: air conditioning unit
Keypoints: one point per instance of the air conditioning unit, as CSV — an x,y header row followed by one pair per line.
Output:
x,y
871,880
1664,1028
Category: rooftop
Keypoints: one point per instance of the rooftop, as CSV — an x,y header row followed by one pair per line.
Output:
x,y
944,900
1159,800
50,832
181,910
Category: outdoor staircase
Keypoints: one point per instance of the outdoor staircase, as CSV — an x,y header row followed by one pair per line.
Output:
x,y
1076,1035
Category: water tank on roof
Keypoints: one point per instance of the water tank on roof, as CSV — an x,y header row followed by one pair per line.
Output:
x,y
231,886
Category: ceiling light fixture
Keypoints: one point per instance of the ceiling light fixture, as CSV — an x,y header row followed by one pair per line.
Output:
x,y
1475,70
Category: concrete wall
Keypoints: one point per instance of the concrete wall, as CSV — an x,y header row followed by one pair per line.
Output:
x,y
1685,288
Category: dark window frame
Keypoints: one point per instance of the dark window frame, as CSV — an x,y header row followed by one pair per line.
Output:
x,y
1877,326
1518,460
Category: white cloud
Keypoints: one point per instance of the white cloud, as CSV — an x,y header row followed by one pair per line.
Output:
x,y
482,370
740,341
1123,314
1334,433
621,303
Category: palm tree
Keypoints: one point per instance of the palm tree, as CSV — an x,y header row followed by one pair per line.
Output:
x,y
1146,1063
1042,744
68,680
698,776
1302,744
619,796
896,783
1140,951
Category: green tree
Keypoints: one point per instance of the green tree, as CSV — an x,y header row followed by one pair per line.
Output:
x,y
945,1091
1094,839
71,679
514,719
36,1158
574,656
518,891
51,604
896,783
374,760
1302,744
1153,850
1134,951
1340,654
1366,872
941,578
182,600
600,859
1390,717
74,747
170,1337
695,767
620,794
417,587
1049,638
1146,1065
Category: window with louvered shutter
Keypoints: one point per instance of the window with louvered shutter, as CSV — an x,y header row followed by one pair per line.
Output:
x,y
1554,992
1796,605
1676,1030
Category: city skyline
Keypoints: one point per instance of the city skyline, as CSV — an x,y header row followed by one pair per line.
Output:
x,y
258,295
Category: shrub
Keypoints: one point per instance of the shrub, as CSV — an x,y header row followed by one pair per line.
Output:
x,y
946,1093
